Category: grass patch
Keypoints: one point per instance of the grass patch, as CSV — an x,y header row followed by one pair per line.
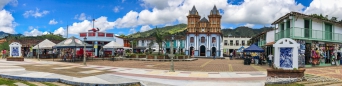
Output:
x,y
292,84
27,83
8,82
49,84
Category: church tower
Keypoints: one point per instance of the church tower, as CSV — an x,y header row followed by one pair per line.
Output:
x,y
204,36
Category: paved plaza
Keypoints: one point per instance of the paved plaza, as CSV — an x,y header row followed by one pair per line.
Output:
x,y
207,72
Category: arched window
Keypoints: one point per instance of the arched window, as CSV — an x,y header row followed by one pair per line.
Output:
x,y
202,39
213,40
192,39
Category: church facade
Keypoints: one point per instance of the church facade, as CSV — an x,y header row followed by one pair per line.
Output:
x,y
204,37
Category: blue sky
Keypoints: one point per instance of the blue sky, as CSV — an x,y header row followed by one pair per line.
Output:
x,y
34,17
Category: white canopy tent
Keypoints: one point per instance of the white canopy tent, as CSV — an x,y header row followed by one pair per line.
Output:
x,y
113,44
46,44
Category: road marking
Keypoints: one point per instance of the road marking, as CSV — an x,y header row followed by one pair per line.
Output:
x,y
230,67
206,63
258,68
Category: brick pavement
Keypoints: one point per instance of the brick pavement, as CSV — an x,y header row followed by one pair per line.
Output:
x,y
204,65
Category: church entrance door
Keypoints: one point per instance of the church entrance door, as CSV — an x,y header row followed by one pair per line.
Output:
x,y
213,50
202,50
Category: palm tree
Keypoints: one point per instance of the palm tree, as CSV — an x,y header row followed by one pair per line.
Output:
x,y
159,39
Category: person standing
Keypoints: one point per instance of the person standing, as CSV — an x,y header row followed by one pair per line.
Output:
x,y
270,57
4,54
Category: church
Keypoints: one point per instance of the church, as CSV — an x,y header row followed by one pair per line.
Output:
x,y
204,37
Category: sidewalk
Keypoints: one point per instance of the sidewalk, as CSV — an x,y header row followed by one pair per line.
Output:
x,y
116,75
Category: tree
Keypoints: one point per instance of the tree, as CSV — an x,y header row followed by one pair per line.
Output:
x,y
159,38
149,46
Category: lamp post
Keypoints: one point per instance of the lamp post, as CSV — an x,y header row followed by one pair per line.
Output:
x,y
84,51
171,55
38,52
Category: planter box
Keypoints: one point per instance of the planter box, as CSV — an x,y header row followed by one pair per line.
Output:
x,y
150,56
286,73
15,59
160,57
181,57
133,56
142,56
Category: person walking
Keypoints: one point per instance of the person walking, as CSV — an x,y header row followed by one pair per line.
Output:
x,y
231,56
214,55
270,60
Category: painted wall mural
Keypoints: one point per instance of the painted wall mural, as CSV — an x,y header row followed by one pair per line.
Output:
x,y
286,58
301,52
15,51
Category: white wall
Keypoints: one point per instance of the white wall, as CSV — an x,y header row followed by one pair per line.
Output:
x,y
270,36
119,41
299,22
337,29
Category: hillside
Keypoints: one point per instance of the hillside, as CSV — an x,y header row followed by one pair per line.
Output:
x,y
180,29
244,31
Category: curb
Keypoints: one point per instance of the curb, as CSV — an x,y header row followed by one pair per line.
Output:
x,y
65,81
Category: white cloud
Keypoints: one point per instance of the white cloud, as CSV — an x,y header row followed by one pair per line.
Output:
x,y
14,3
145,28
35,13
7,23
82,16
24,5
123,1
34,32
52,22
102,23
249,25
132,30
332,8
5,2
117,9
249,11
60,31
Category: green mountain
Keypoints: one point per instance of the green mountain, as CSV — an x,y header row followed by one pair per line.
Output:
x,y
180,29
244,31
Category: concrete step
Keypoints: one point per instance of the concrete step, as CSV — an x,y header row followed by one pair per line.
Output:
x,y
20,84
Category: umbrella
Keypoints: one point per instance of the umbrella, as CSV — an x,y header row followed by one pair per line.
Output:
x,y
254,48
72,42
46,44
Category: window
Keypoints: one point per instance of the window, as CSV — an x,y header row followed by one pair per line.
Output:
x,y
237,43
306,28
142,43
213,40
202,39
231,43
243,42
226,42
202,29
191,39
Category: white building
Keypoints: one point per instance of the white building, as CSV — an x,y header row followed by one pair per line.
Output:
x,y
312,33
231,43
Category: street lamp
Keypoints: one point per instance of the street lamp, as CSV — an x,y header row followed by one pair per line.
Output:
x,y
84,51
171,55
38,51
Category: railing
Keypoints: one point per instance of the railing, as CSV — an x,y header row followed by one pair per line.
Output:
x,y
303,33
93,34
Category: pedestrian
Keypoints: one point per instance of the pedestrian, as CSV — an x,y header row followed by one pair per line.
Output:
x,y
214,54
231,56
4,54
270,60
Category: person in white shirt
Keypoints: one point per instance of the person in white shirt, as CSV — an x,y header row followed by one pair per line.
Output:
x,y
270,60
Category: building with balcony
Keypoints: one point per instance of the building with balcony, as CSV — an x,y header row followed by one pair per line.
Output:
x,y
204,36
312,33
178,45
264,40
233,43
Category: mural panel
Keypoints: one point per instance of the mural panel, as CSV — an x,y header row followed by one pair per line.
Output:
x,y
286,58
15,51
